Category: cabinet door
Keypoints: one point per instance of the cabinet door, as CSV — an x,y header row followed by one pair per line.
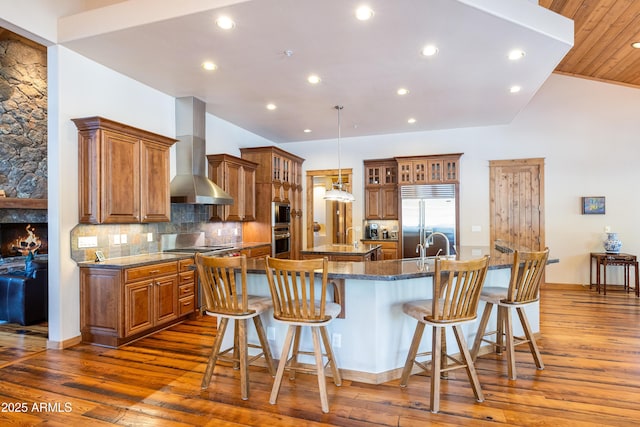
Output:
x,y
138,307
249,194
372,175
120,165
389,202
405,172
155,205
233,184
166,298
372,203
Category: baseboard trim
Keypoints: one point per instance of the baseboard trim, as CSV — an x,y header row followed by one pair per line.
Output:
x,y
61,345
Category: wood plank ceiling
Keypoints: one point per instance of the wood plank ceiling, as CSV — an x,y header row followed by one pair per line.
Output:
x,y
604,32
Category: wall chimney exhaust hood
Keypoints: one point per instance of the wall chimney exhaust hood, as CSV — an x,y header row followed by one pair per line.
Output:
x,y
191,185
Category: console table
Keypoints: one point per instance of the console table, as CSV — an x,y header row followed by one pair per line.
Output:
x,y
603,259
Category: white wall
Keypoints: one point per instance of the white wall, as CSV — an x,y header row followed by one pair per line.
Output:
x,y
79,87
586,131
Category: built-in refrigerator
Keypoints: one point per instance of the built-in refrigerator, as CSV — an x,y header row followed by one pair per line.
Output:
x,y
427,209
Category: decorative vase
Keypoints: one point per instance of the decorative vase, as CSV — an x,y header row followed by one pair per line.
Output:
x,y
612,244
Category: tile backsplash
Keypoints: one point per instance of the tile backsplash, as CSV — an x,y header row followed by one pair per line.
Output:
x,y
117,240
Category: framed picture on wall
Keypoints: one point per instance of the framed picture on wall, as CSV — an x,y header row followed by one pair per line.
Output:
x,y
593,205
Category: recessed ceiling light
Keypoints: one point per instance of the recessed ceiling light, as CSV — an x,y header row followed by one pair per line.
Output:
x,y
402,91
429,50
225,23
516,54
364,13
313,79
635,45
307,131
271,106
515,89
411,121
209,66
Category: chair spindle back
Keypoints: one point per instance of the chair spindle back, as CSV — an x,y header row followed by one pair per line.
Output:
x,y
457,289
526,276
218,278
293,289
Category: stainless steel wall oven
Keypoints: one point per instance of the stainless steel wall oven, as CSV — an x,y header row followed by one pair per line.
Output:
x,y
281,241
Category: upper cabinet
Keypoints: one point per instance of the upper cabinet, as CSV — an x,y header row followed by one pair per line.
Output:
x,y
381,189
123,173
237,177
435,169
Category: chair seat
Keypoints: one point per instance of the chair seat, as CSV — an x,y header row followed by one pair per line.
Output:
x,y
257,305
420,309
496,295
331,309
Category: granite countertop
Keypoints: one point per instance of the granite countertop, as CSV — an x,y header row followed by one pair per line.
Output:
x,y
136,260
344,249
152,258
400,269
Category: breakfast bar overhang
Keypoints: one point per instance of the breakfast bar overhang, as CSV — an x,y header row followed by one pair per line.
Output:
x,y
372,340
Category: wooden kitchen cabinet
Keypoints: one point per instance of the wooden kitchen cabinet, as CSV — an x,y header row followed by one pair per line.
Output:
x,y
389,248
381,189
257,251
278,179
436,169
237,177
119,305
123,173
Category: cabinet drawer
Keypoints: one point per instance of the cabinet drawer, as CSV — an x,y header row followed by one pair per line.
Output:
x,y
186,305
148,271
186,277
186,290
184,264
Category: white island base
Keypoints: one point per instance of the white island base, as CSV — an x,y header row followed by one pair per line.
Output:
x,y
372,341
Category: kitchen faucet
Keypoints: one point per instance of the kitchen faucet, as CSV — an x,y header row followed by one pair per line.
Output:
x,y
429,242
420,248
355,242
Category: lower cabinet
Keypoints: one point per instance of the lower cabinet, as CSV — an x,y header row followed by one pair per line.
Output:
x,y
119,305
389,248
257,251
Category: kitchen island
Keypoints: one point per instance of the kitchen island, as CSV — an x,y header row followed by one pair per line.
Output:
x,y
343,252
371,342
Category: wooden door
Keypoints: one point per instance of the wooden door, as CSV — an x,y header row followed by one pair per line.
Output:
x,y
166,298
517,202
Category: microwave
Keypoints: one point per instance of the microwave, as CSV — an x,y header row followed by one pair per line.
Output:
x,y
281,213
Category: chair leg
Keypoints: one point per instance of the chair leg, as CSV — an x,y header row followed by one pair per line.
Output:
x,y
284,355
217,343
444,362
411,357
468,361
477,342
500,329
294,356
533,346
268,357
322,382
337,378
242,348
436,347
508,329
236,346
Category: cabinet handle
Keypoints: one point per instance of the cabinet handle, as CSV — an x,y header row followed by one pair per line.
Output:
x,y
154,272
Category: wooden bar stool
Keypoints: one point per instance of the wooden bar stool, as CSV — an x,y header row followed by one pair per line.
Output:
x,y
223,299
456,290
524,289
299,300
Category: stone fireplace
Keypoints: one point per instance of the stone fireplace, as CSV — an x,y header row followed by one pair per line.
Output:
x,y
18,239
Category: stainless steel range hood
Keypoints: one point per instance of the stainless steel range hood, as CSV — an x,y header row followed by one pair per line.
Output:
x,y
191,185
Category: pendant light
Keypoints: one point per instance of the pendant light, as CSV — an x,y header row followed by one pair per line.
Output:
x,y
337,193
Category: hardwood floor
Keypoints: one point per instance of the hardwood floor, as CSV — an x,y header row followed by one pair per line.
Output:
x,y
18,341
590,346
